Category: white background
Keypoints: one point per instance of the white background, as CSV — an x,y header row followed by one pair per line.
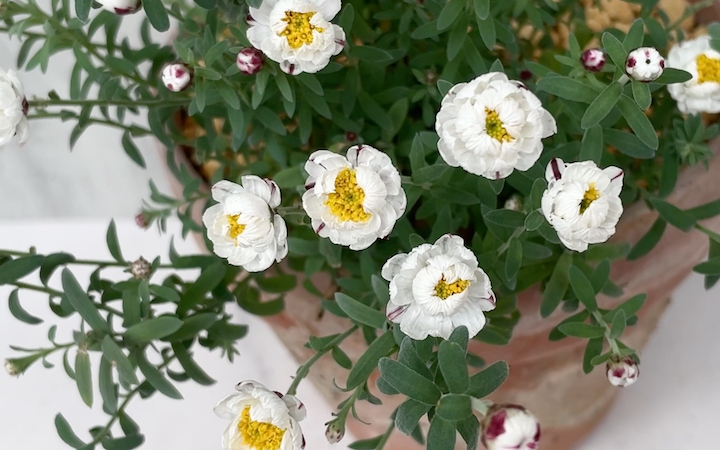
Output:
x,y
61,200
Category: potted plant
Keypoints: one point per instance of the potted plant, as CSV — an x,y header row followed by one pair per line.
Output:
x,y
457,193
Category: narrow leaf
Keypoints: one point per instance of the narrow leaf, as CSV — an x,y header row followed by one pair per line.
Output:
x,y
81,303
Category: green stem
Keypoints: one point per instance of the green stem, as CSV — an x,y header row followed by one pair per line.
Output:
x,y
613,344
36,103
710,233
383,440
516,234
133,129
56,293
303,370
85,262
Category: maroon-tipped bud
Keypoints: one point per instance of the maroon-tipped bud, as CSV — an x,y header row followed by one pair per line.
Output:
x,y
177,76
510,426
250,60
593,59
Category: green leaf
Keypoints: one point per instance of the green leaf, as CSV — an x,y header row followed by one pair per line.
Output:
x,y
581,330
113,243
82,10
487,381
601,106
152,329
618,324
450,13
311,82
272,122
460,336
155,377
132,151
709,267
18,312
132,307
123,443
408,382
556,286
639,122
451,359
567,88
600,275
156,13
375,112
514,259
557,335
672,215
641,93
444,86
615,49
469,429
208,279
370,54
18,268
409,414
454,407
592,351
425,31
441,435
381,289
592,145
81,303
488,34
582,288
506,218
192,369
83,377
671,76
51,263
341,358
630,307
278,284
454,195
360,312
634,37
628,144
114,354
66,433
106,386
702,212
482,8
367,363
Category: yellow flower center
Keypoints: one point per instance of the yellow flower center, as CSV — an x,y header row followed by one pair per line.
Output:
x,y
494,126
346,202
236,228
299,31
445,290
259,435
708,69
590,196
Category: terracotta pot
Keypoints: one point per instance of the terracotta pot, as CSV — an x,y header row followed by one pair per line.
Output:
x,y
545,376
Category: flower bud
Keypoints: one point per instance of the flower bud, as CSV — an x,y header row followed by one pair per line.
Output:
x,y
11,368
140,269
250,61
622,371
335,432
177,76
350,136
645,64
141,220
514,203
593,59
121,7
510,426
18,366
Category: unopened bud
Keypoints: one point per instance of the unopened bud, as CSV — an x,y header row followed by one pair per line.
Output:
x,y
140,269
514,203
350,136
335,432
177,77
644,64
141,220
18,366
510,426
622,371
121,7
593,59
11,368
250,60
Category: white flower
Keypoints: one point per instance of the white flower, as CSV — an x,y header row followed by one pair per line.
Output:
x,y
297,34
492,126
121,7
261,419
582,202
249,61
436,288
353,200
510,427
593,59
622,371
177,77
645,64
13,108
243,227
702,92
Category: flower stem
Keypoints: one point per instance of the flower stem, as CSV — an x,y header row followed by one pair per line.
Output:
x,y
84,262
710,233
133,129
303,370
56,293
383,440
612,342
42,103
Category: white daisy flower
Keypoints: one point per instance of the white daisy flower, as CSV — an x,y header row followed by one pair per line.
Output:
x,y
261,419
13,108
297,34
582,202
243,227
622,372
436,288
121,7
510,427
353,199
177,77
645,64
492,126
701,93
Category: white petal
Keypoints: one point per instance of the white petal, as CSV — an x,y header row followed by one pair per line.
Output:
x,y
222,189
